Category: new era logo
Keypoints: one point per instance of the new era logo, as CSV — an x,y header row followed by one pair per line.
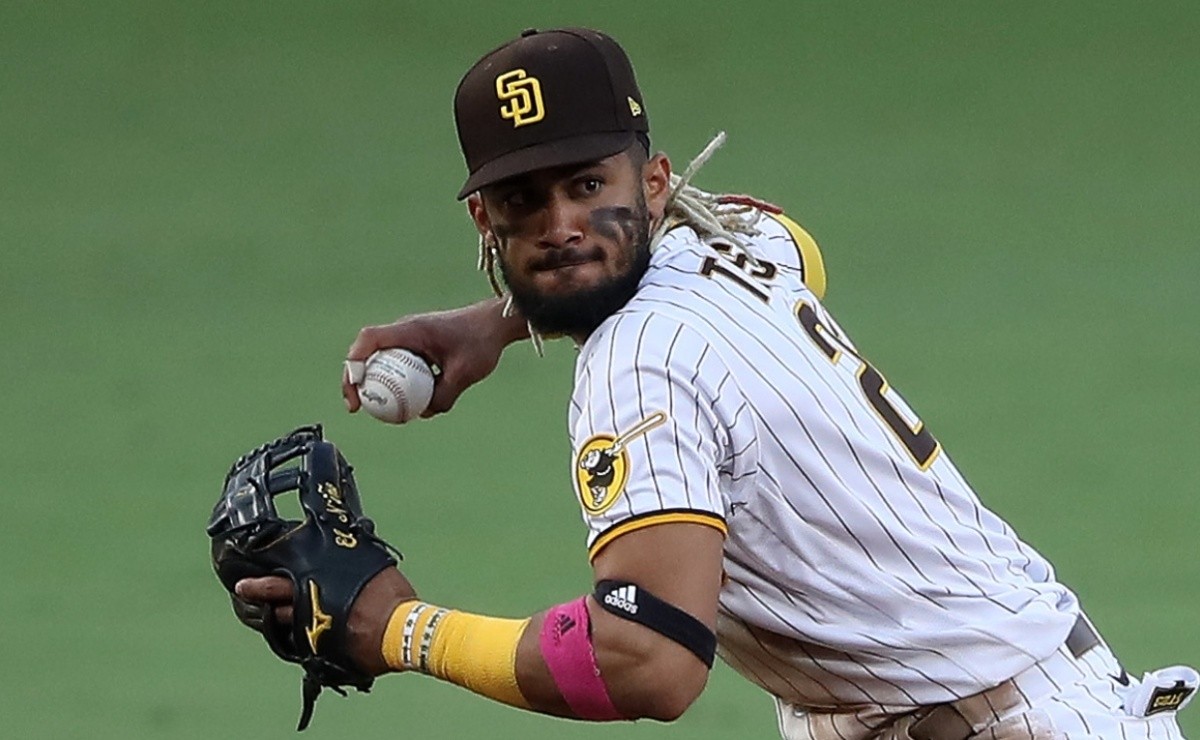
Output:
x,y
624,598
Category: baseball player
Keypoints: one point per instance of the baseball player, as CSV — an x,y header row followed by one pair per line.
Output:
x,y
751,484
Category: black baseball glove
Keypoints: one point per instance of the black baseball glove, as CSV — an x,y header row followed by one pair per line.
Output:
x,y
328,556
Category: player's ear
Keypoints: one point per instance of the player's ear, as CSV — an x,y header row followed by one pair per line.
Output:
x,y
656,184
479,214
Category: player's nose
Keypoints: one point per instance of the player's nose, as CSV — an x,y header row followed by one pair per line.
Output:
x,y
563,222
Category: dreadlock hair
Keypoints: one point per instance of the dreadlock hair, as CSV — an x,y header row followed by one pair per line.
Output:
x,y
722,217
719,217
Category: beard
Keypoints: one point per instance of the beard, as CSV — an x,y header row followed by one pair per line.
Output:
x,y
582,311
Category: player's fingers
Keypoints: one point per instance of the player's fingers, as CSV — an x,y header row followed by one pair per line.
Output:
x,y
366,343
350,396
265,590
411,334
355,371
283,614
370,340
448,386
442,400
415,334
352,372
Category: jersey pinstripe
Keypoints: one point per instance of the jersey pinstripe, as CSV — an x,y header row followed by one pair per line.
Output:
x,y
862,570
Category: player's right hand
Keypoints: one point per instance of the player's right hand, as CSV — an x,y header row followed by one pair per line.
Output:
x,y
368,617
464,343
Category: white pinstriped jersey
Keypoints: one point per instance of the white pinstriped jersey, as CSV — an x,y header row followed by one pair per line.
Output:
x,y
862,570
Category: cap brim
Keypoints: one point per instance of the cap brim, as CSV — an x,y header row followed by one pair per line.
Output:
x,y
572,150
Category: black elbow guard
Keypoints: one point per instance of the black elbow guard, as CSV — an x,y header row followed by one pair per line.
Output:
x,y
632,602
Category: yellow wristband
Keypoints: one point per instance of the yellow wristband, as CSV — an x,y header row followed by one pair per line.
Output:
x,y
476,652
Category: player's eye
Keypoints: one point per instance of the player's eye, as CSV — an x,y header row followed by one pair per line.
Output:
x,y
515,199
589,184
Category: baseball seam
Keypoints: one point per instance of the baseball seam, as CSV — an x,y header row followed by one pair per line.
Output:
x,y
387,381
412,361
393,363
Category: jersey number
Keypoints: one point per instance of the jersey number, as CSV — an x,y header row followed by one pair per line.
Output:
x,y
748,272
915,438
753,275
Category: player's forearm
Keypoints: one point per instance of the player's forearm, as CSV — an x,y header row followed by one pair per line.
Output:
x,y
514,327
472,651
645,675
508,329
606,670
500,659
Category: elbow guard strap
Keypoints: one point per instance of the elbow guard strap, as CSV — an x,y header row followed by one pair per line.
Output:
x,y
629,601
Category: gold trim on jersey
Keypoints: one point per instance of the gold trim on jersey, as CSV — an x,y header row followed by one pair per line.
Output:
x,y
810,255
641,521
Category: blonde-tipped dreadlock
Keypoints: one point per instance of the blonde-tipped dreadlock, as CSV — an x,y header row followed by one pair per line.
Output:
x,y
723,217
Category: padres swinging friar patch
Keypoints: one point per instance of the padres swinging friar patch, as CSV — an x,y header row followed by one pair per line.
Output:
x,y
602,465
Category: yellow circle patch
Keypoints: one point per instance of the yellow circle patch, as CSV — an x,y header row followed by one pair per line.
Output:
x,y
601,469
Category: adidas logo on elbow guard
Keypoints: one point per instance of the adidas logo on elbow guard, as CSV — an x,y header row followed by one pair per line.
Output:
x,y
624,598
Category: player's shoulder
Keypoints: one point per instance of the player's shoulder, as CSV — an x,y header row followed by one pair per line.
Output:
x,y
784,241
678,320
769,234
656,331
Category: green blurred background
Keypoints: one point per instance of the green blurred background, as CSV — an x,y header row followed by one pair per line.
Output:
x,y
201,203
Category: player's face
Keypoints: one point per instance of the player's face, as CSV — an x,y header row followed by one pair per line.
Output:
x,y
573,241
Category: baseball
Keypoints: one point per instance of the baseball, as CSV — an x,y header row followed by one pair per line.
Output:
x,y
396,386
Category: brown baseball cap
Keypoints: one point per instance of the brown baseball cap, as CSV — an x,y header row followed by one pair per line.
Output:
x,y
545,99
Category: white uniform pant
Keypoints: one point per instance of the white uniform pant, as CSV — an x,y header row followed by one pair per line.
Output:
x,y
1060,698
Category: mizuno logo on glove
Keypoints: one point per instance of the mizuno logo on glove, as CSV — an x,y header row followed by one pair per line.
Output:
x,y
320,620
